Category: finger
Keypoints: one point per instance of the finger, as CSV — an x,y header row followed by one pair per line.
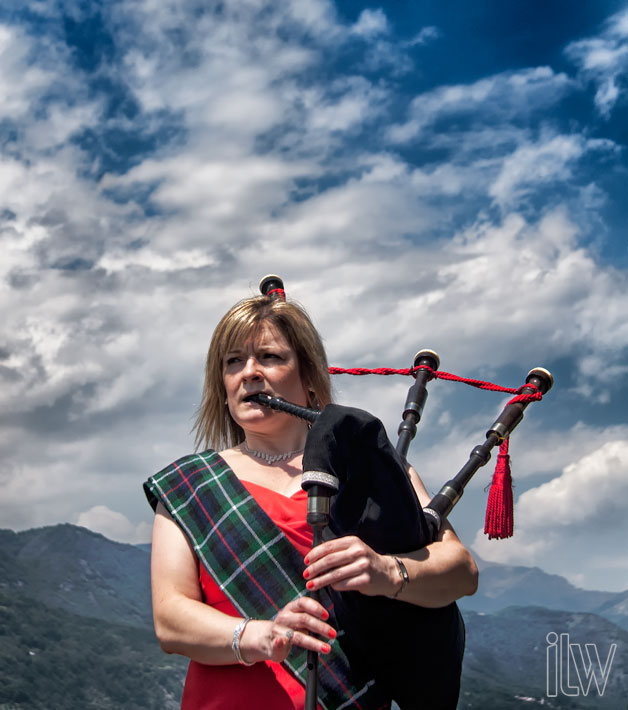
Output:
x,y
280,648
357,573
333,560
310,643
310,624
329,546
305,621
309,606
305,605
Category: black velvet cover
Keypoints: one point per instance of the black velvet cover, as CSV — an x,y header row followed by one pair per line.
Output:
x,y
415,653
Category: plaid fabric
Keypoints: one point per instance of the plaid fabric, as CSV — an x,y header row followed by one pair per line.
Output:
x,y
250,559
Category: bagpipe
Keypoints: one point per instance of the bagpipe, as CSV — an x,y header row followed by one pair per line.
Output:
x,y
358,484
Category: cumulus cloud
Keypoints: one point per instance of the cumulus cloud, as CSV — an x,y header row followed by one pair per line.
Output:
x,y
226,145
114,525
586,498
370,23
20,81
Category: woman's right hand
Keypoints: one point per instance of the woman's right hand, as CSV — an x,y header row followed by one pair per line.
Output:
x,y
293,626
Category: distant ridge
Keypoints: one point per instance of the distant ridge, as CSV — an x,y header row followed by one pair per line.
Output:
x,y
73,568
105,630
505,663
51,659
502,586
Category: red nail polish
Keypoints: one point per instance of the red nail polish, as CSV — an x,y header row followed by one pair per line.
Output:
x,y
326,648
306,560
332,634
310,585
306,574
325,616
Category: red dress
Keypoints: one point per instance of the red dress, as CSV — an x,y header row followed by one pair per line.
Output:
x,y
264,685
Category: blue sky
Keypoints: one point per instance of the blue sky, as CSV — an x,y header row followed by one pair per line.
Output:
x,y
442,175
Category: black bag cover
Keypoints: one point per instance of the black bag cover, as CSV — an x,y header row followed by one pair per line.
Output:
x,y
414,653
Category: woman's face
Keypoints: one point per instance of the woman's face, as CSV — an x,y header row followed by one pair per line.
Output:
x,y
266,363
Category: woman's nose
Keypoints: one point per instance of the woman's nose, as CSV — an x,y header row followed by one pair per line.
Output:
x,y
251,368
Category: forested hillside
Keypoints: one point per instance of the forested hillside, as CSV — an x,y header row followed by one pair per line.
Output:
x,y
76,632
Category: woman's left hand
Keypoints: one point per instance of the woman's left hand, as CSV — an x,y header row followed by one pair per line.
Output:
x,y
348,564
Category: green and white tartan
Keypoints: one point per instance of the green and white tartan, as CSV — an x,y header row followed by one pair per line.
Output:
x,y
250,559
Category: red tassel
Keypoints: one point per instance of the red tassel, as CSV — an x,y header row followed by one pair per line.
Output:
x,y
499,510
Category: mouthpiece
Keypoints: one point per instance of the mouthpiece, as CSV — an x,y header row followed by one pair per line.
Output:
x,y
280,405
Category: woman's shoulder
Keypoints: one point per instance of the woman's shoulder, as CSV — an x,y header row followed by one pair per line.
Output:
x,y
231,456
186,462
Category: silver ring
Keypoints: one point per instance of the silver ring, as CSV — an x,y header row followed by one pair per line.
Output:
x,y
289,635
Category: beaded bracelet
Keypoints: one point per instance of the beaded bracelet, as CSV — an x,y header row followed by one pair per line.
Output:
x,y
235,643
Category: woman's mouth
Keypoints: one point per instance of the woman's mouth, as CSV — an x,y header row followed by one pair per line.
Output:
x,y
254,397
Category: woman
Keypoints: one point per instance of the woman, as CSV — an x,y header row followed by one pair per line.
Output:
x,y
270,346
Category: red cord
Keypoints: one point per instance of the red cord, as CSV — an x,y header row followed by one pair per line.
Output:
x,y
499,521
440,375
365,371
279,293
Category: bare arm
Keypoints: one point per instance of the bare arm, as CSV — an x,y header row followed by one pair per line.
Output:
x,y
185,625
443,571
439,573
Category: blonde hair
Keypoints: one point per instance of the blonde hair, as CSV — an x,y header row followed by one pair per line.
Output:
x,y
214,425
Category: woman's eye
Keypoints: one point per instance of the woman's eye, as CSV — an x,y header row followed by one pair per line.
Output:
x,y
231,360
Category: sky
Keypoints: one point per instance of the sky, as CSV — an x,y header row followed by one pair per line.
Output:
x,y
421,175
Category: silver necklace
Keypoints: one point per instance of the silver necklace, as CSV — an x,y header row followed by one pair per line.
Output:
x,y
270,458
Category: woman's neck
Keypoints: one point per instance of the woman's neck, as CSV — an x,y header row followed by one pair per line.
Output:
x,y
289,439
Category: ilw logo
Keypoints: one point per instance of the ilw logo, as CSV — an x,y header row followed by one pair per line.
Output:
x,y
571,671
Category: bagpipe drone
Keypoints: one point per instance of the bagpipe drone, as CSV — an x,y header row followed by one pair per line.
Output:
x,y
357,484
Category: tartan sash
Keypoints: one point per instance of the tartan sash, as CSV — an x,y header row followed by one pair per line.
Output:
x,y
251,560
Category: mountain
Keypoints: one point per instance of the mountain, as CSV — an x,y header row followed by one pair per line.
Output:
x,y
81,571
51,659
72,568
506,660
76,630
502,586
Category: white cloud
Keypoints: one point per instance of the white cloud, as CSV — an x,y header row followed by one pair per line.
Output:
x,y
495,99
425,35
268,155
343,106
604,60
114,525
591,487
490,280
586,500
549,160
370,23
20,81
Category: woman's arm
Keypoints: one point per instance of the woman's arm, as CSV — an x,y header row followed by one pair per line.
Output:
x,y
440,573
185,625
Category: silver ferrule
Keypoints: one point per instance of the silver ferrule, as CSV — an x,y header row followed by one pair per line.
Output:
x,y
318,504
450,493
500,429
